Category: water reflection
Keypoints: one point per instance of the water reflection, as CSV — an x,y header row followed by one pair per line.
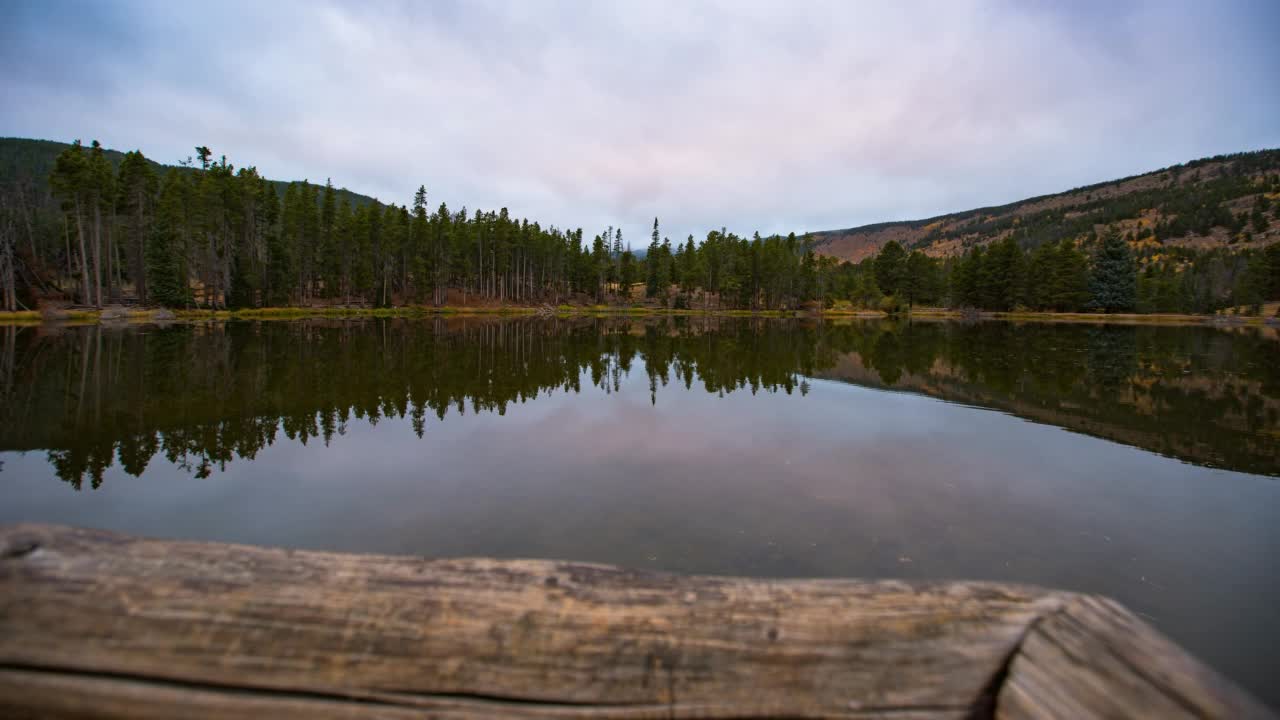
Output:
x,y
201,396
737,447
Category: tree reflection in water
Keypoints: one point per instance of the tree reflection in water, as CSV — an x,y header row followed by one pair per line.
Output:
x,y
203,395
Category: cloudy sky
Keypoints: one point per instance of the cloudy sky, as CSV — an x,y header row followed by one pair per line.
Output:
x,y
757,116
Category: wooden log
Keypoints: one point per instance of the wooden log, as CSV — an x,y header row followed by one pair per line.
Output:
x,y
97,624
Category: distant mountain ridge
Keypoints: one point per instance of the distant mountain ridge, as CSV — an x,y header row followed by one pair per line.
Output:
x,y
31,159
1203,203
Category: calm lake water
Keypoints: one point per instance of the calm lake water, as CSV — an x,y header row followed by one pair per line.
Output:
x,y
1137,462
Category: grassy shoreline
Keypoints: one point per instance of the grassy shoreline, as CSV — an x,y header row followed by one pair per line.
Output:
x,y
32,317
1101,318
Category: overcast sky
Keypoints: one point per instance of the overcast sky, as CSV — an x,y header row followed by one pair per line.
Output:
x,y
757,116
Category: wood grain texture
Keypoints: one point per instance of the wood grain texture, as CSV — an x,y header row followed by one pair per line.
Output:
x,y
1093,658
96,624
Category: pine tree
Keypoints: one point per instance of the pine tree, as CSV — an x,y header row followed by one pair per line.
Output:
x,y
920,280
617,256
966,279
1114,279
1040,272
137,187
600,264
70,181
420,256
1251,287
652,263
344,247
1271,271
165,270
1070,281
628,274
691,271
1001,276
101,186
1259,222
326,257
891,267
662,274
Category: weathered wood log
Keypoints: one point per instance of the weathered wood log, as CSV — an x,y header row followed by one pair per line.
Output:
x,y
96,624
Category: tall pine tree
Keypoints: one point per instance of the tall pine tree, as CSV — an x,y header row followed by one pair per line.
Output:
x,y
1114,281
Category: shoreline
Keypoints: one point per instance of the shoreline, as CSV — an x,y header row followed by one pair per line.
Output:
x,y
1102,318
149,315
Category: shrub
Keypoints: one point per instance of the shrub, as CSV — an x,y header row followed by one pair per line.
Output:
x,y
891,304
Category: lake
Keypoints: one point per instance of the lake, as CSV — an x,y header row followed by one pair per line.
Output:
x,y
1140,462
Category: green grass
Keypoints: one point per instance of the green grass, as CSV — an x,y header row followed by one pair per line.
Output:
x,y
1084,317
293,313
31,317
20,317
647,311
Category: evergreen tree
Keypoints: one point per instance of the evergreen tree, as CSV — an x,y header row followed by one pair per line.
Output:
x,y
1271,271
71,181
627,274
965,282
617,257
866,290
104,187
1070,281
1114,280
165,266
891,267
1001,276
326,265
920,281
652,263
662,274
1040,276
1259,222
600,263
692,268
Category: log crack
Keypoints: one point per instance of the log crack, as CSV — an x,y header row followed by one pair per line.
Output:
x,y
984,706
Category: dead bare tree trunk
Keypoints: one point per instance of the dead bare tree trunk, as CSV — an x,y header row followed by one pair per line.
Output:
x,y
8,291
117,276
97,251
84,259
26,218
137,251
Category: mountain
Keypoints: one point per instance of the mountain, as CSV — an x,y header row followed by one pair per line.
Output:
x,y
25,159
1202,204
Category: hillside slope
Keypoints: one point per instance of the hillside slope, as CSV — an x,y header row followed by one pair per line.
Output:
x,y
28,160
1218,201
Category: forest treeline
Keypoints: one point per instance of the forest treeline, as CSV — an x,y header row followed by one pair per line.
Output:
x,y
202,395
95,227
211,235
1100,274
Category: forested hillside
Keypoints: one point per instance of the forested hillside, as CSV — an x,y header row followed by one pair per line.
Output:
x,y
1227,200
32,161
1192,238
94,226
